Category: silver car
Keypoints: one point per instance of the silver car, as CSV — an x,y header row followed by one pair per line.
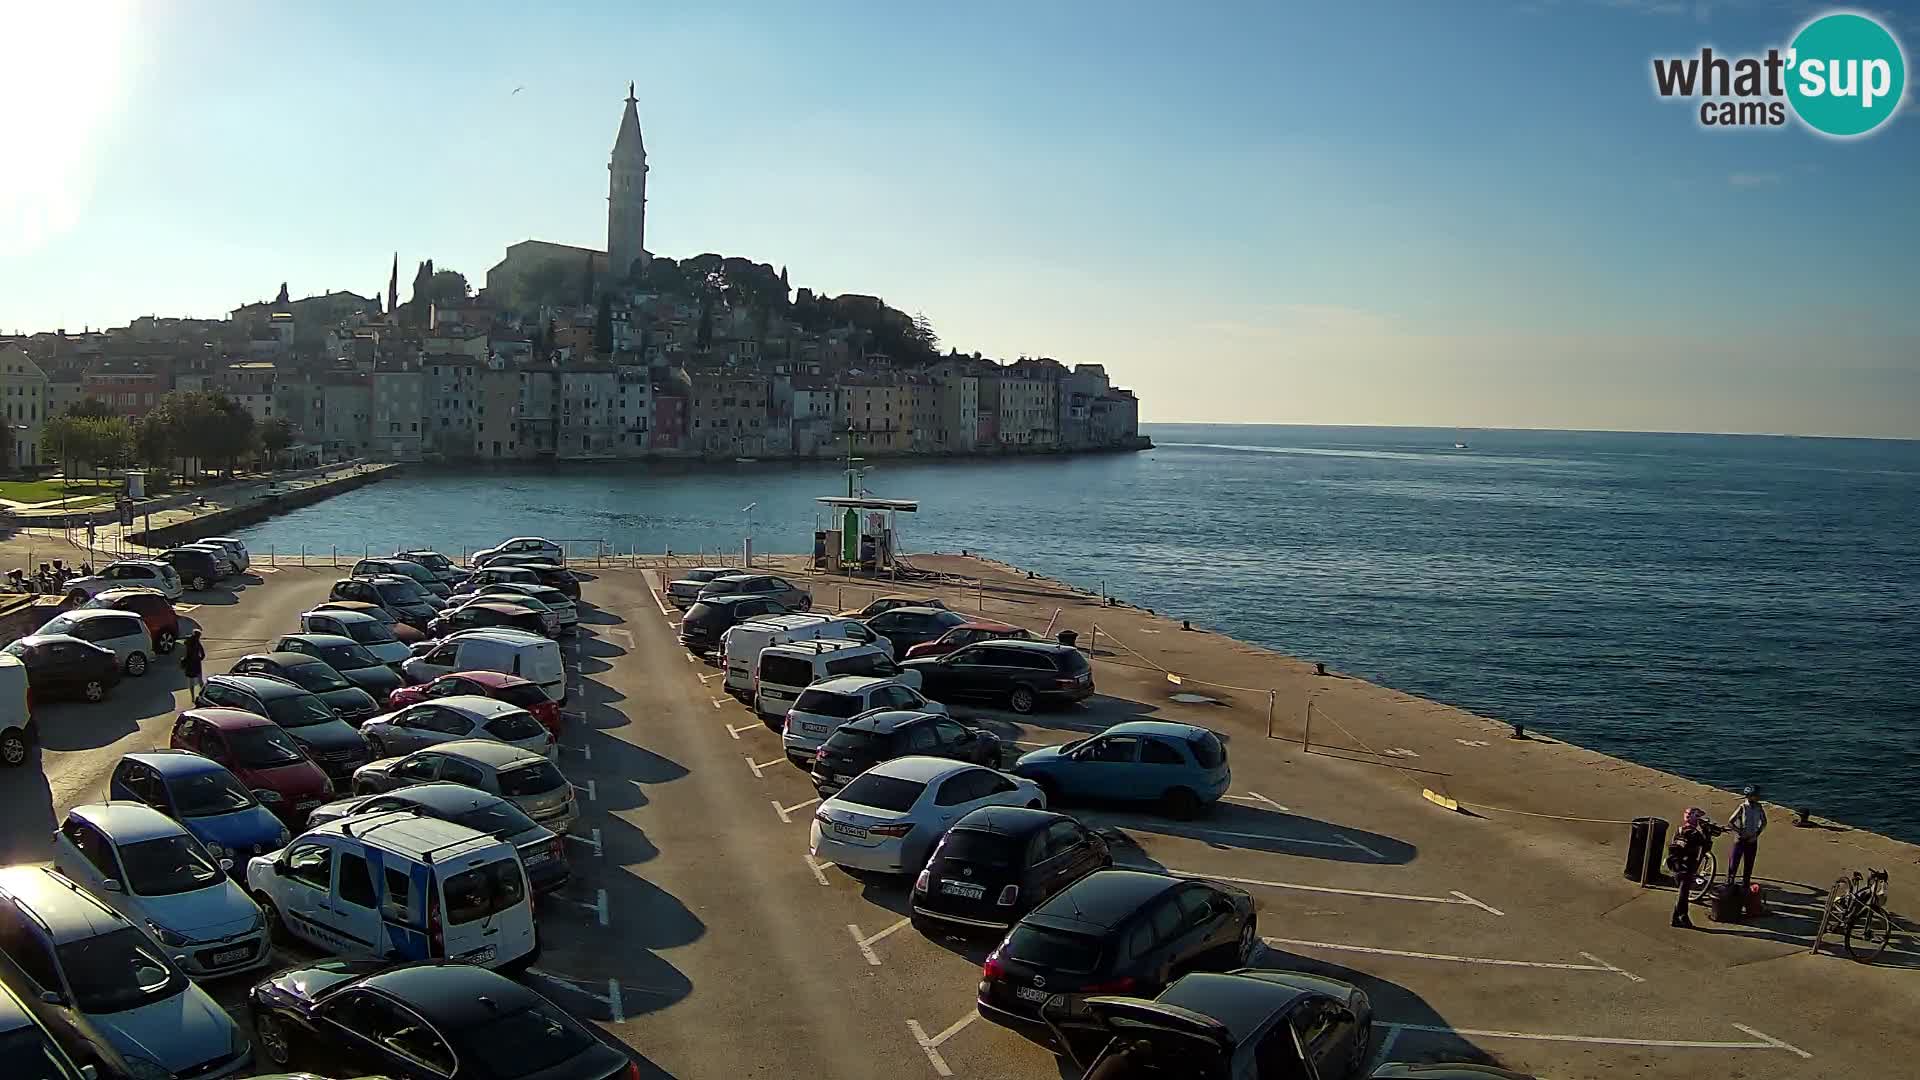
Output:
x,y
453,718
522,777
791,596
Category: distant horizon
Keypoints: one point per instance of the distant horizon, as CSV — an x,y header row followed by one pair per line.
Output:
x,y
1144,424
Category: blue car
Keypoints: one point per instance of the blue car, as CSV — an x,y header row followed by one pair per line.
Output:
x,y
1181,767
206,799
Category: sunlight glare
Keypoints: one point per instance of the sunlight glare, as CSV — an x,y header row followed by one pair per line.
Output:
x,y
63,71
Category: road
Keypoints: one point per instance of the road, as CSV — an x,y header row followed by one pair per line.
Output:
x,y
700,934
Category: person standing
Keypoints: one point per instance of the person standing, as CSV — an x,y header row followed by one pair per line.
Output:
x,y
192,656
1688,845
1747,823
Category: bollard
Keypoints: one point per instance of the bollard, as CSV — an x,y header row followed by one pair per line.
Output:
x,y
1320,669
1519,730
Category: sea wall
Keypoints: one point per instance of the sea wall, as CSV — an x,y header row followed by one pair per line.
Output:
x,y
215,522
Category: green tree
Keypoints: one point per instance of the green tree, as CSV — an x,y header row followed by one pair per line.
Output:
x,y
152,441
89,407
60,440
276,434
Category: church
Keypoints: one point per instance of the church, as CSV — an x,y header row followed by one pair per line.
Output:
x,y
625,254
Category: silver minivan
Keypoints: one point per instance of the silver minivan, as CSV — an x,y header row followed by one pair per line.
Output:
x,y
522,777
123,632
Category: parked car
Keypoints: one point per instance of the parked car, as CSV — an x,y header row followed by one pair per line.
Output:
x,y
332,743
450,719
1114,932
1245,1024
149,868
17,729
153,607
205,797
496,574
888,603
1000,862
521,545
100,981
397,887
890,817
707,619
229,566
545,595
402,597
494,615
441,566
123,632
236,547
821,708
27,1044
364,630
542,852
58,665
685,589
790,596
514,652
1181,767
555,576
315,676
966,634
421,1021
784,670
272,764
1023,674
355,662
511,689
884,734
402,632
741,645
200,570
522,777
154,574
906,627
403,568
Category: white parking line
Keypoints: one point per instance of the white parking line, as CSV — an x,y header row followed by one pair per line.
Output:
x,y
785,811
186,607
1351,842
586,751
735,731
756,766
1766,1042
592,790
819,869
932,1046
1600,965
716,702
1456,898
263,569
625,635
648,578
865,944
616,1009
1269,802
592,840
710,675
1386,1047
598,907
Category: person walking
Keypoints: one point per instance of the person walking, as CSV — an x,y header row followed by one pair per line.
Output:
x,y
192,656
1747,823
1688,846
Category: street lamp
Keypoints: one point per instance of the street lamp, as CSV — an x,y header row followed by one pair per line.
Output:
x,y
746,542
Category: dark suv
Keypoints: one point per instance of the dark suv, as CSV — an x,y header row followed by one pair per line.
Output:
x,y
885,734
316,676
712,616
198,570
1024,674
555,576
332,743
406,599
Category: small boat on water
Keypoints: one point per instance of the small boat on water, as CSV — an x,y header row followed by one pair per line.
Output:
x,y
745,460
1460,446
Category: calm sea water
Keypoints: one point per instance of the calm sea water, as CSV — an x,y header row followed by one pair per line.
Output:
x,y
1734,609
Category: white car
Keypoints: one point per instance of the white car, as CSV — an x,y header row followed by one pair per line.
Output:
x,y
146,573
545,549
234,547
146,866
123,632
683,591
448,719
890,817
824,706
558,602
361,628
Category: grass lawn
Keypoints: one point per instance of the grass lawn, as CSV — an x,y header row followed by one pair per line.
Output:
x,y
39,491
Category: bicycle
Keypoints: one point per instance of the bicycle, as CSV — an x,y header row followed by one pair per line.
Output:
x,y
1860,906
1703,874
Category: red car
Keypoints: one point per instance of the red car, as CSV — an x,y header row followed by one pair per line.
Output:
x,y
153,607
263,756
966,634
511,689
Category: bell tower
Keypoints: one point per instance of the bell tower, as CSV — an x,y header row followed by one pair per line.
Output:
x,y
627,196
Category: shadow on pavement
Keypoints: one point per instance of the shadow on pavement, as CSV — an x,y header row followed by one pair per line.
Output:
x,y
1393,1004
1232,827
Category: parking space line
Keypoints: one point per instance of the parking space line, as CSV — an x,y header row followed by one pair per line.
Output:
x,y
1631,977
1767,1042
932,1046
819,869
1269,802
1456,898
709,675
735,731
186,607
1465,899
785,811
263,569
1351,842
1386,1047
598,907
756,766
716,703
1763,1036
626,635
865,944
592,789
586,751
1375,951
616,1008
592,840
648,578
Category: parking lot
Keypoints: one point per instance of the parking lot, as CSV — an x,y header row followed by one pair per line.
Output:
x,y
700,932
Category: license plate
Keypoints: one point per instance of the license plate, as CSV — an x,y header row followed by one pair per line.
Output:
x,y
961,888
534,859
814,729
855,831
1028,993
228,956
477,956
307,804
775,695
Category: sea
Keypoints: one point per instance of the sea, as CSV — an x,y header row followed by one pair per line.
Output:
x,y
1734,609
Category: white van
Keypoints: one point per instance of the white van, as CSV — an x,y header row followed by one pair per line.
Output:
x,y
17,732
786,668
514,652
740,645
400,886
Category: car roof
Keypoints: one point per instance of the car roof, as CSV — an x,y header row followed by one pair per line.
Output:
x,y
417,551
506,634
884,721
786,620
130,590
741,575
981,624
128,822
505,607
224,540
1103,899
499,680
1241,1003
344,614
449,994
87,614
921,767
155,563
1166,728
61,905
499,755
919,609
405,833
263,686
850,684
485,708
322,640
229,719
381,579
730,599
1051,648
1008,820
442,796
38,639
176,763
290,659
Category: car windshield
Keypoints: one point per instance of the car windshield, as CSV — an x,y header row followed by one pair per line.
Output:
x,y
263,748
1046,947
298,710
523,1043
61,625
18,648
525,695
368,633
982,848
1073,663
117,971
25,1054
535,779
168,865
849,741
514,727
348,657
403,591
1207,750
827,703
882,792
208,794
499,817
318,678
721,588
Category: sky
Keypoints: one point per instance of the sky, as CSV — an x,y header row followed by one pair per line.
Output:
x,y
1471,214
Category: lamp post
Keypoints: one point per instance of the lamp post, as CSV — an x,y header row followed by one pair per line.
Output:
x,y
746,529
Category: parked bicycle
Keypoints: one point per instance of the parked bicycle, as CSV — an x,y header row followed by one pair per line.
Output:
x,y
1859,905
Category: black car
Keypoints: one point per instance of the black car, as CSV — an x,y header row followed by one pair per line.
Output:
x,y
198,570
332,743
29,1049
1114,932
60,665
884,734
427,1021
315,676
482,614
354,661
542,852
402,597
1024,674
1240,1025
910,626
555,576
1000,862
707,619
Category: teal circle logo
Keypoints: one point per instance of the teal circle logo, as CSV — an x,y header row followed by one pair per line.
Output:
x,y
1846,74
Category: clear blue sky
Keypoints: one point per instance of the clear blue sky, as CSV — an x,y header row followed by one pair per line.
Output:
x,y
1471,214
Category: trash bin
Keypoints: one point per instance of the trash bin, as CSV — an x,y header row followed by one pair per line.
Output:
x,y
1068,637
1646,849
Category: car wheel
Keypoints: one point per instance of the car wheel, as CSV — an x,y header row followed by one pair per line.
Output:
x,y
277,933
137,664
95,690
199,582
806,603
1249,945
1181,804
275,1044
1022,700
164,641
13,747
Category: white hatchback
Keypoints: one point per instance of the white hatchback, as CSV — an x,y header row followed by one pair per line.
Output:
x,y
890,817
824,706
146,866
122,632
145,573
459,716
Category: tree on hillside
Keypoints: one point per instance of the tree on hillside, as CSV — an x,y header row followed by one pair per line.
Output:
x,y
703,335
783,279
231,433
928,341
89,407
276,434
151,440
